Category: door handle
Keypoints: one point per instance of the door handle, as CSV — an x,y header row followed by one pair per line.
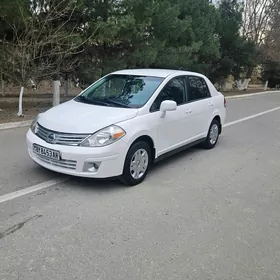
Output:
x,y
188,111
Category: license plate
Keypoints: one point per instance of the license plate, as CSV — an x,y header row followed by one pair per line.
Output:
x,y
49,153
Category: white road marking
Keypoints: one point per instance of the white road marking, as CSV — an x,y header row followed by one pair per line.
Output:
x,y
51,183
251,117
241,96
44,185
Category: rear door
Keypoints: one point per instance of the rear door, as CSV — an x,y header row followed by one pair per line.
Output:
x,y
200,105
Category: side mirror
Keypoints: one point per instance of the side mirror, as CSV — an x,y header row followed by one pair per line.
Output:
x,y
167,105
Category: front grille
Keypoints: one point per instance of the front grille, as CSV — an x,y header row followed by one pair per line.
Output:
x,y
60,138
69,164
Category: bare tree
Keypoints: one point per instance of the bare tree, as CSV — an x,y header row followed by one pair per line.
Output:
x,y
256,26
42,46
256,19
271,46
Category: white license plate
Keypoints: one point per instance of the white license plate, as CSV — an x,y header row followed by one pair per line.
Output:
x,y
39,150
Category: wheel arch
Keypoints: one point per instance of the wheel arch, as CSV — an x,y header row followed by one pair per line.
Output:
x,y
149,140
218,118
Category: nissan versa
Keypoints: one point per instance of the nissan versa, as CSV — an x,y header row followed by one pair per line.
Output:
x,y
125,121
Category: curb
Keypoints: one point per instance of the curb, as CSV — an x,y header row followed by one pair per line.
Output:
x,y
251,94
15,124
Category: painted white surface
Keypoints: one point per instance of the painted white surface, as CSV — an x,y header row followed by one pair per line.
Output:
x,y
251,94
76,117
38,187
189,122
56,93
20,102
251,117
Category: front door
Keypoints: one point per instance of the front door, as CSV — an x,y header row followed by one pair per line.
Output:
x,y
171,129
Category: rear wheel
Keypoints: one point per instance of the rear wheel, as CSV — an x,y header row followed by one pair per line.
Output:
x,y
213,135
137,164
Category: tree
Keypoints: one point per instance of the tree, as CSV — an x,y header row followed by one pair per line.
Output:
x,y
9,13
191,43
40,44
271,45
256,24
271,73
256,17
143,33
237,52
53,37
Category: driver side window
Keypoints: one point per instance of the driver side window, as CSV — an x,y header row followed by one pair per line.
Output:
x,y
174,90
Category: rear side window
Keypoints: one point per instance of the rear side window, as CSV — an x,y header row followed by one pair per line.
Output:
x,y
197,88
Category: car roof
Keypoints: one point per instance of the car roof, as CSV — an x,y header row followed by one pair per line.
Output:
x,y
162,73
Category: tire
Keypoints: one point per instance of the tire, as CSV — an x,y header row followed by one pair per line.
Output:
x,y
131,175
213,135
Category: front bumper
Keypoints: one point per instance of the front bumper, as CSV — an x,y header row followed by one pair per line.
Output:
x,y
78,161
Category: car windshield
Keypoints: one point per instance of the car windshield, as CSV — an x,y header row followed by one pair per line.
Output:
x,y
127,91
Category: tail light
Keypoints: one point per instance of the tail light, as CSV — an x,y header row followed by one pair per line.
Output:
x,y
225,102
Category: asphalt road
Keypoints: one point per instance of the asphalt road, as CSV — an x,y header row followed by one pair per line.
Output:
x,y
199,215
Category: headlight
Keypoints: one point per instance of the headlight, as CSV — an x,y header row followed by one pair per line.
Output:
x,y
104,137
33,125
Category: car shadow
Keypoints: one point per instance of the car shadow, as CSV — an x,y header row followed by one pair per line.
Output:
x,y
36,168
98,185
176,158
113,184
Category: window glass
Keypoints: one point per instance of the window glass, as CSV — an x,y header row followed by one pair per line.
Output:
x,y
174,90
121,91
197,88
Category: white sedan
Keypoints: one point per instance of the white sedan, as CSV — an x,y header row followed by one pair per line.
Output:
x,y
127,120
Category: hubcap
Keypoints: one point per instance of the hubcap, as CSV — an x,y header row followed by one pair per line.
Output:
x,y
139,164
214,133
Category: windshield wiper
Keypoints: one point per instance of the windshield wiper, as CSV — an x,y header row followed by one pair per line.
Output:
x,y
120,104
90,101
101,101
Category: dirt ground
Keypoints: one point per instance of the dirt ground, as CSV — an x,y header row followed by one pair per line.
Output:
x,y
10,114
32,106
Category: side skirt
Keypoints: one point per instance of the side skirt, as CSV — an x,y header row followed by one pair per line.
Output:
x,y
178,150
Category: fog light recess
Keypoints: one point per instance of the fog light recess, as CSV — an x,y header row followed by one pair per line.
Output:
x,y
91,166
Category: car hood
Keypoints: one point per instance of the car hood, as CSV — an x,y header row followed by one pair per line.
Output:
x,y
76,117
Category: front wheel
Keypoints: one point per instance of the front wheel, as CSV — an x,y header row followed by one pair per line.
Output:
x,y
213,135
137,164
